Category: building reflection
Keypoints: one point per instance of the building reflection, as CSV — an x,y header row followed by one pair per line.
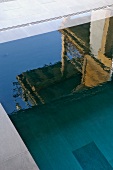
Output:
x,y
86,62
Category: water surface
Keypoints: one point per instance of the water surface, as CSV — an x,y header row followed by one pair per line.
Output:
x,y
59,88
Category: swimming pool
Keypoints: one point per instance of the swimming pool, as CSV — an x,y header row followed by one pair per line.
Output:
x,y
57,88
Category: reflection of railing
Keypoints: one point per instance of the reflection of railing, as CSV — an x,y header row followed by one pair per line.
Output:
x,y
77,64
77,43
19,93
55,18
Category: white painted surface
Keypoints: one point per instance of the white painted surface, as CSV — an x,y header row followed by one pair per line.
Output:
x,y
19,12
20,18
13,153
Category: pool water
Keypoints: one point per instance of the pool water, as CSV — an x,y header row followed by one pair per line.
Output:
x,y
53,132
58,91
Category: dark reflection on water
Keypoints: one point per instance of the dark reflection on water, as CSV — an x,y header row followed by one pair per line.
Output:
x,y
22,55
55,65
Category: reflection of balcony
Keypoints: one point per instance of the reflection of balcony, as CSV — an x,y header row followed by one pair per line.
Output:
x,y
47,83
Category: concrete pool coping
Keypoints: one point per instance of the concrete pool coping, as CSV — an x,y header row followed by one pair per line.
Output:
x,y
13,153
21,19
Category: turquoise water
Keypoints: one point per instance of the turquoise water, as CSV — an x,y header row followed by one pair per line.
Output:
x,y
53,132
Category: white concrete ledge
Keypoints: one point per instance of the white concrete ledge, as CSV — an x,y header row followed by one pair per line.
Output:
x,y
13,153
25,18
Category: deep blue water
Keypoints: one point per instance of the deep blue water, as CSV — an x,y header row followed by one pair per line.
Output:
x,y
22,55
